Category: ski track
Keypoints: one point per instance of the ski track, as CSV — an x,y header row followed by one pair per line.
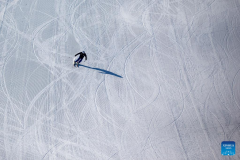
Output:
x,y
178,97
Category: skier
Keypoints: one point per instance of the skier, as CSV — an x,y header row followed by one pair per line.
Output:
x,y
80,58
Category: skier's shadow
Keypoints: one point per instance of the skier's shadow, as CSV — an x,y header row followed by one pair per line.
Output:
x,y
101,71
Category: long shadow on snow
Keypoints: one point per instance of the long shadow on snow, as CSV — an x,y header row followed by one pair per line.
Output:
x,y
101,71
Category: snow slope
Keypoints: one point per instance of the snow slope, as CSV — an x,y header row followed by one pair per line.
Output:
x,y
162,79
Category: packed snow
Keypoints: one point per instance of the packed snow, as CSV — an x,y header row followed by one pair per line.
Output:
x,y
161,82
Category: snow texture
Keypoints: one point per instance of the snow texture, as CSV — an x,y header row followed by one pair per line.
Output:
x,y
162,79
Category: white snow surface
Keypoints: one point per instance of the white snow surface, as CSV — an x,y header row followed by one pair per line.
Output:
x,y
161,82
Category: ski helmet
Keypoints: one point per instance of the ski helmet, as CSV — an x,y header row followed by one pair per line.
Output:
x,y
83,51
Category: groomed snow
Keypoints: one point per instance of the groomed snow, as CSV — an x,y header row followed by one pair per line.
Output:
x,y
162,79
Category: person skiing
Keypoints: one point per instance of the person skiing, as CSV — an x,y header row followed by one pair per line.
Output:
x,y
80,58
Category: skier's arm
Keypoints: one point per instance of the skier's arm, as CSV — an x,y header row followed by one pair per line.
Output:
x,y
77,54
85,57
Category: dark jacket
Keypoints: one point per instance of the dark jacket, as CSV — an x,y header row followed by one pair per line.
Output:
x,y
82,55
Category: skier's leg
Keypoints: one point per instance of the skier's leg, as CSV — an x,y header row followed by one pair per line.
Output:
x,y
79,61
75,61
